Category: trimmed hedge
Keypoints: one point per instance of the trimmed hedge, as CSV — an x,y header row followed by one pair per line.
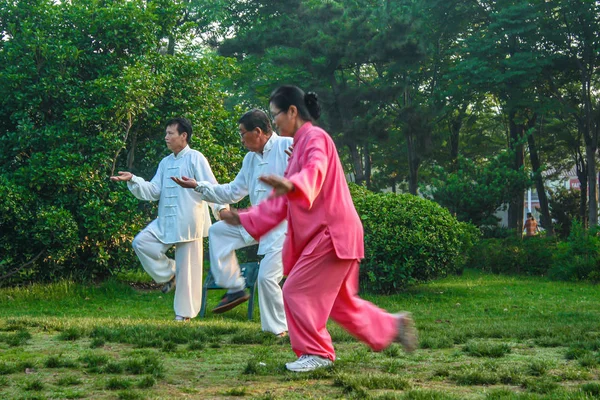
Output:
x,y
408,239
578,258
575,259
513,255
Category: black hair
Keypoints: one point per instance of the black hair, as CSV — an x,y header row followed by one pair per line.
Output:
x,y
288,95
256,118
183,125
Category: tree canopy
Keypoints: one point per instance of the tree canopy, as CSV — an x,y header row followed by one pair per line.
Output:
x,y
468,102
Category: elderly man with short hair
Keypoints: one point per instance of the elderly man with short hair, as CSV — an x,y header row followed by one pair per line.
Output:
x,y
267,155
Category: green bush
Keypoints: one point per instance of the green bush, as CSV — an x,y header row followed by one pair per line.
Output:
x,y
408,239
579,257
32,231
564,208
576,259
538,253
495,256
73,113
512,255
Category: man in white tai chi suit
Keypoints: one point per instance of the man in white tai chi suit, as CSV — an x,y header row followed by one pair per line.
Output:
x,y
183,220
267,155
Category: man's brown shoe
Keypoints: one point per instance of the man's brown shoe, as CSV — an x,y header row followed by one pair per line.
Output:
x,y
231,300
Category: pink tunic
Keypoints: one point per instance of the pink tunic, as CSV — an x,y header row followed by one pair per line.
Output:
x,y
321,251
321,201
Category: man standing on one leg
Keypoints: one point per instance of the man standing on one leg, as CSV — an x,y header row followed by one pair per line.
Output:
x,y
183,220
267,156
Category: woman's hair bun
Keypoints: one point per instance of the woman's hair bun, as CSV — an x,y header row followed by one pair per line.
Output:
x,y
310,97
312,103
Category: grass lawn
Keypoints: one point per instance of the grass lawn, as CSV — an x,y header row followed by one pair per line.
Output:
x,y
482,337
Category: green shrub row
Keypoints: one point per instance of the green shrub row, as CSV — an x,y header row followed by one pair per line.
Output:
x,y
575,259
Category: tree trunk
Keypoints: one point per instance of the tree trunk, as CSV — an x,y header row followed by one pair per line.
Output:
x,y
355,156
171,46
367,165
516,206
582,175
590,135
590,156
454,125
413,164
131,154
411,147
546,220
359,177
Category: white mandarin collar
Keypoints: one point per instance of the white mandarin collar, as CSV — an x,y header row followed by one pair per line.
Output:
x,y
270,143
182,153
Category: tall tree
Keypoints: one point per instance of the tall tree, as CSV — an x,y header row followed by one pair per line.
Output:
x,y
336,48
500,56
572,32
84,90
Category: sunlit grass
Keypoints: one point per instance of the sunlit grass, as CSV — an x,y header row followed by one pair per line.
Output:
x,y
482,337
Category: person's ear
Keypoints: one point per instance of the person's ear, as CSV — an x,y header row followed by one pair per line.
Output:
x,y
293,111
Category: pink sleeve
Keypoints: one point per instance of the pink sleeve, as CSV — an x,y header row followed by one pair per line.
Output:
x,y
309,180
260,219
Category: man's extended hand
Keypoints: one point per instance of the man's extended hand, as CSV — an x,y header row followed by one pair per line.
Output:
x,y
123,176
224,213
185,182
230,216
280,185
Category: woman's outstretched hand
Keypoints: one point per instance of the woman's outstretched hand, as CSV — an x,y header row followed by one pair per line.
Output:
x,y
280,185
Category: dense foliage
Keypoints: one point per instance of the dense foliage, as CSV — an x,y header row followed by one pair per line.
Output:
x,y
408,239
474,192
412,85
417,94
512,255
564,208
578,258
84,92
575,259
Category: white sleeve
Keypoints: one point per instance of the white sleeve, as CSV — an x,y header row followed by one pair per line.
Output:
x,y
203,173
145,190
228,193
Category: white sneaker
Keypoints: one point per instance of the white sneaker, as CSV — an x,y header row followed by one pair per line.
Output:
x,y
407,333
308,362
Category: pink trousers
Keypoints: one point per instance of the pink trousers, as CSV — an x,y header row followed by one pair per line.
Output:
x,y
320,286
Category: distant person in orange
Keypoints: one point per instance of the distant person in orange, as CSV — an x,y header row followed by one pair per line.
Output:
x,y
531,226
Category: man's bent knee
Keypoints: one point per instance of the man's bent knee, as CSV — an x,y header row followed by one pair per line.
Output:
x,y
216,229
136,243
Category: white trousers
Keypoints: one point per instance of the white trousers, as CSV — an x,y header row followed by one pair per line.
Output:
x,y
224,240
186,267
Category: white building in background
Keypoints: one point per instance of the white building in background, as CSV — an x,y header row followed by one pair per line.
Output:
x,y
531,201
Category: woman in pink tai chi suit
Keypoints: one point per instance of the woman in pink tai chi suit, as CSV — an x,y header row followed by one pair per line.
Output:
x,y
324,243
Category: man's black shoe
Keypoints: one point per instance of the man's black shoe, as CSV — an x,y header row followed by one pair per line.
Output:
x,y
230,300
167,287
